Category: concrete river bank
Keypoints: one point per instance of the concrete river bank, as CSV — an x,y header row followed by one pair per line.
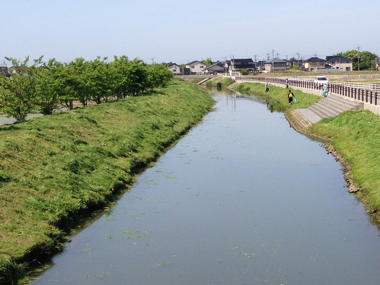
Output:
x,y
242,199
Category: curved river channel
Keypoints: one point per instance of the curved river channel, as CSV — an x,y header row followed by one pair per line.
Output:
x,y
241,199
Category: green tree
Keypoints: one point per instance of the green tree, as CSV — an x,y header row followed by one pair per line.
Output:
x,y
77,79
158,75
52,88
207,62
18,96
365,59
137,77
100,80
119,67
244,72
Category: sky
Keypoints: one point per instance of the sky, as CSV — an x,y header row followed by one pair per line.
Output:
x,y
181,31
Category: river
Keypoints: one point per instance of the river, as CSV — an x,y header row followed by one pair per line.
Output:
x,y
241,199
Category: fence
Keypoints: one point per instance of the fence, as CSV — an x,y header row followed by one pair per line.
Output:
x,y
368,93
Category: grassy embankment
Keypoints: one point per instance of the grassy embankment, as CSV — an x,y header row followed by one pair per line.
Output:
x,y
219,81
54,167
355,135
278,96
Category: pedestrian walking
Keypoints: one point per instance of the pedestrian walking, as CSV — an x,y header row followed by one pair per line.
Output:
x,y
266,87
286,83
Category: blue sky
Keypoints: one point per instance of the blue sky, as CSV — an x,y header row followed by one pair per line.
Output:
x,y
182,31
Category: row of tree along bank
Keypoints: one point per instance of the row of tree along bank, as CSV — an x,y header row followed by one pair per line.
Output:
x,y
54,167
353,135
44,86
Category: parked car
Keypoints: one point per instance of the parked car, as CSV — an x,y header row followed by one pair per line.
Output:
x,y
321,80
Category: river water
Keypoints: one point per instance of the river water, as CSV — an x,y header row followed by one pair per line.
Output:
x,y
242,199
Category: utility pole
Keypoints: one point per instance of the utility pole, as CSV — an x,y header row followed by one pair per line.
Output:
x,y
273,59
358,58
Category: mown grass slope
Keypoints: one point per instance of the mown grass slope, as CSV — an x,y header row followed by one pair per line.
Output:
x,y
278,96
53,167
356,136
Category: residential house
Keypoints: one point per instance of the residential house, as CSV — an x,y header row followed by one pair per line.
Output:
x,y
314,63
185,71
173,67
217,67
377,64
4,71
196,67
339,62
297,62
276,64
238,64
260,65
227,64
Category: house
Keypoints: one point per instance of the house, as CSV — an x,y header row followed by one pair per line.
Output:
x,y
297,62
260,65
196,67
227,64
238,64
314,63
4,71
185,71
339,62
217,67
173,67
377,64
276,64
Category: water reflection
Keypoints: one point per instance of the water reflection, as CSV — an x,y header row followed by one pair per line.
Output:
x,y
242,199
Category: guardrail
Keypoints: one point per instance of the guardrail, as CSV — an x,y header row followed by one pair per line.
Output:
x,y
368,93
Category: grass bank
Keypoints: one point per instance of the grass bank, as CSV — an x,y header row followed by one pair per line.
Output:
x,y
355,135
54,167
277,97
219,81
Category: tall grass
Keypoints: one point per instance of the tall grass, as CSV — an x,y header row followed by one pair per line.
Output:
x,y
53,167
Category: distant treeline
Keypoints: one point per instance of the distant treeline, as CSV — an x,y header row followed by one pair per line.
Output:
x,y
44,86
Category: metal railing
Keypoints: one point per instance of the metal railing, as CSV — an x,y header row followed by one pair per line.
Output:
x,y
368,93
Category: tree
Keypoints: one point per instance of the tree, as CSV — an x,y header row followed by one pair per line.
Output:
x,y
121,73
18,96
207,62
365,59
100,81
52,87
158,75
77,79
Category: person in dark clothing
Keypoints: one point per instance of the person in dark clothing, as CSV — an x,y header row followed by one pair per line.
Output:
x,y
266,87
290,97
